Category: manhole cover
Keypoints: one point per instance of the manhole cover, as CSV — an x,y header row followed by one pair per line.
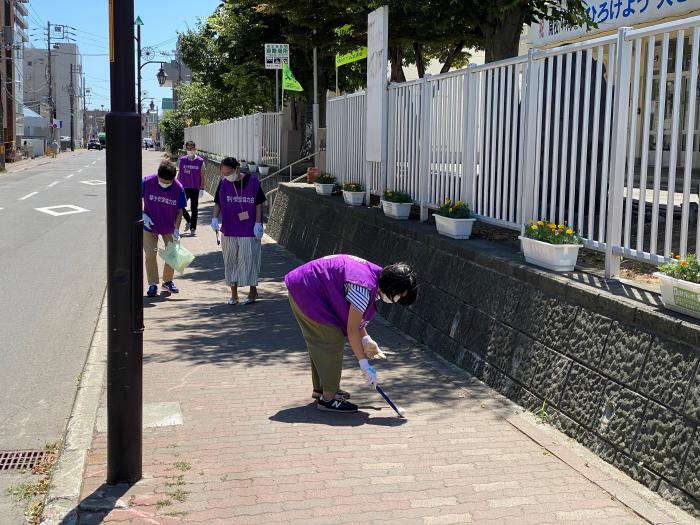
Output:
x,y
21,459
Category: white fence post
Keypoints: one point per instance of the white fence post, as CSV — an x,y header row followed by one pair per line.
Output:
x,y
528,173
425,144
619,153
470,117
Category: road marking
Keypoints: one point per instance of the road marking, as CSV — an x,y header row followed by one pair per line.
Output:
x,y
54,183
29,195
53,210
69,176
87,165
93,182
94,162
81,169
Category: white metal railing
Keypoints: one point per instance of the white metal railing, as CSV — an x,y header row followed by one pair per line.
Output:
x,y
254,137
602,134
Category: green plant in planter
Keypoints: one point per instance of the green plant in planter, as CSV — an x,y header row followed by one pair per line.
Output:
x,y
325,178
454,210
686,269
551,233
355,187
397,197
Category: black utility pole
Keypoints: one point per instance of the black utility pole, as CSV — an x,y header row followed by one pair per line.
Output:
x,y
124,256
71,95
52,106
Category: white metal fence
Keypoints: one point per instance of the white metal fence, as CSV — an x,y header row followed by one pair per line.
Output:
x,y
602,134
252,137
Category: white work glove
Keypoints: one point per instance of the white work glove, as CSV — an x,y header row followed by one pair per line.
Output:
x,y
147,221
368,372
201,193
215,224
371,348
258,230
176,234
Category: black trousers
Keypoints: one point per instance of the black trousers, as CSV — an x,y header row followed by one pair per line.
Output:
x,y
193,196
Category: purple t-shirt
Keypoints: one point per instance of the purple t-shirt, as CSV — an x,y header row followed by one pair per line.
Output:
x,y
162,205
190,172
233,201
318,288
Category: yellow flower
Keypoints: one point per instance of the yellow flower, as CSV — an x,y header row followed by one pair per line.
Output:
x,y
540,223
533,227
459,203
561,226
569,231
532,222
450,210
684,263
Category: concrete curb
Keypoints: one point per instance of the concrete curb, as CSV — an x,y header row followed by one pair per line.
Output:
x,y
64,492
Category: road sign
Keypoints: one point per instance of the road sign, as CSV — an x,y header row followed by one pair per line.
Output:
x,y
57,123
276,55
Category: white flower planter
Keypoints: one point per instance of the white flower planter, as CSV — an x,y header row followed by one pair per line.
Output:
x,y
556,257
264,170
324,189
397,210
680,296
354,198
455,228
252,168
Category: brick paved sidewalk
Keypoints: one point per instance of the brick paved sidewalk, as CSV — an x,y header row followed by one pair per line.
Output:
x,y
253,449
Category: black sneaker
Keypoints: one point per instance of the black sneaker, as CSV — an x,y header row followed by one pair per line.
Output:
x,y
336,405
340,394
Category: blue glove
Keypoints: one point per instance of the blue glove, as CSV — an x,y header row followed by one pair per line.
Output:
x,y
258,230
368,373
176,234
215,224
147,221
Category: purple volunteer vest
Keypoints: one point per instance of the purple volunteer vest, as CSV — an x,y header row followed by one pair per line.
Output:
x,y
161,205
233,201
318,288
190,172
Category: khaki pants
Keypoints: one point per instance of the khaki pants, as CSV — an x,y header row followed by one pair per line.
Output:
x,y
325,345
150,251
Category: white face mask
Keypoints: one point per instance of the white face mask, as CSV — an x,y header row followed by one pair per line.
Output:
x,y
387,300
191,154
231,178
165,186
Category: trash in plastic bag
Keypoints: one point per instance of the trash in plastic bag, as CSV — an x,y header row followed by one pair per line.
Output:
x,y
176,256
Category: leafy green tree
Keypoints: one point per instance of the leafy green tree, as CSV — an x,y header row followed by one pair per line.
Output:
x,y
172,129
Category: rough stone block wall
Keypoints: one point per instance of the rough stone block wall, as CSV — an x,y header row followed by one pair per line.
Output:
x,y
619,377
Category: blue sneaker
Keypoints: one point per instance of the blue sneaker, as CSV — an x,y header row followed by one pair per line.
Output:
x,y
152,290
170,287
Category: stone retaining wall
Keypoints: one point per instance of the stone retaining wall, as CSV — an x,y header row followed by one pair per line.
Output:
x,y
621,377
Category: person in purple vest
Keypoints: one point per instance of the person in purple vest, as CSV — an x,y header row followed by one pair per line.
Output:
x,y
238,212
190,176
334,298
163,202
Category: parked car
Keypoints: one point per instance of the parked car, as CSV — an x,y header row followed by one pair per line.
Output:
x,y
94,144
148,143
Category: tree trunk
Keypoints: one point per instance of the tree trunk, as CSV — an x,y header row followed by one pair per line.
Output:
x,y
420,60
454,53
396,59
502,36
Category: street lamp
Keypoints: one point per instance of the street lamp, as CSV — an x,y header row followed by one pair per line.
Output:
x,y
151,106
162,76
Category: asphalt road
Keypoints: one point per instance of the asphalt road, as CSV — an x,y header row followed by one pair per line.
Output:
x,y
52,283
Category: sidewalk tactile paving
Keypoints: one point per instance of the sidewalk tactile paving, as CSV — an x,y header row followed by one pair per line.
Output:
x,y
253,449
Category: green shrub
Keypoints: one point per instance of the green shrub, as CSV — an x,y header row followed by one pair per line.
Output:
x,y
353,186
325,178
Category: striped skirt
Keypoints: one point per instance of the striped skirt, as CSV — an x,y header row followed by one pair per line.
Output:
x,y
241,260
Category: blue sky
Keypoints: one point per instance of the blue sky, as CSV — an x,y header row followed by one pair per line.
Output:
x,y
162,19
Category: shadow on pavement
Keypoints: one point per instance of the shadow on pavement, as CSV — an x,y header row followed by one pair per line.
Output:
x,y
309,415
95,507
